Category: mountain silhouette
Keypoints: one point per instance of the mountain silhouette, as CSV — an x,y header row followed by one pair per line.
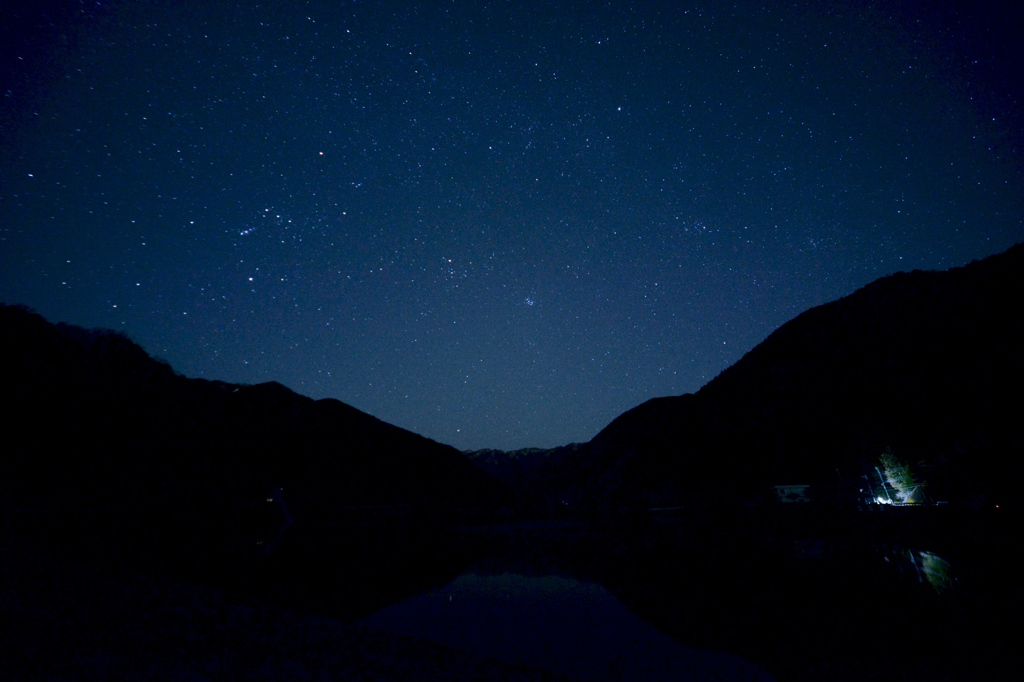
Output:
x,y
111,460
110,454
925,365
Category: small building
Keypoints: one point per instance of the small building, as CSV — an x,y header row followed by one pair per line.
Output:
x,y
792,494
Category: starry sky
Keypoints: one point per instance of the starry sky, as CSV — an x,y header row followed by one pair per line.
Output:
x,y
496,224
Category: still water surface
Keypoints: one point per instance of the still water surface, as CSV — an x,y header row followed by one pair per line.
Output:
x,y
565,626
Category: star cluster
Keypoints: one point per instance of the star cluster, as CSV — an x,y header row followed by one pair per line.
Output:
x,y
495,224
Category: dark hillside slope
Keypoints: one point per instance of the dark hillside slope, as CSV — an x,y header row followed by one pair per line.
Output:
x,y
927,364
109,452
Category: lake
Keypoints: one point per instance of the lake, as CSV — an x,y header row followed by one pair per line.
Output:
x,y
554,623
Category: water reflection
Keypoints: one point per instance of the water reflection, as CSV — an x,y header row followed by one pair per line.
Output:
x,y
931,569
936,571
565,626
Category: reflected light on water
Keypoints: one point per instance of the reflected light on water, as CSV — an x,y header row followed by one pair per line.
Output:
x,y
934,570
565,626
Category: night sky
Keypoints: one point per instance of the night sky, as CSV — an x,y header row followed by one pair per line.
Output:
x,y
494,224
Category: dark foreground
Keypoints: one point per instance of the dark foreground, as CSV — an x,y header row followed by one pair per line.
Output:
x,y
915,594
67,621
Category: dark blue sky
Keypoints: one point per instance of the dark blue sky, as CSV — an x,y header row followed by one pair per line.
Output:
x,y
495,224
